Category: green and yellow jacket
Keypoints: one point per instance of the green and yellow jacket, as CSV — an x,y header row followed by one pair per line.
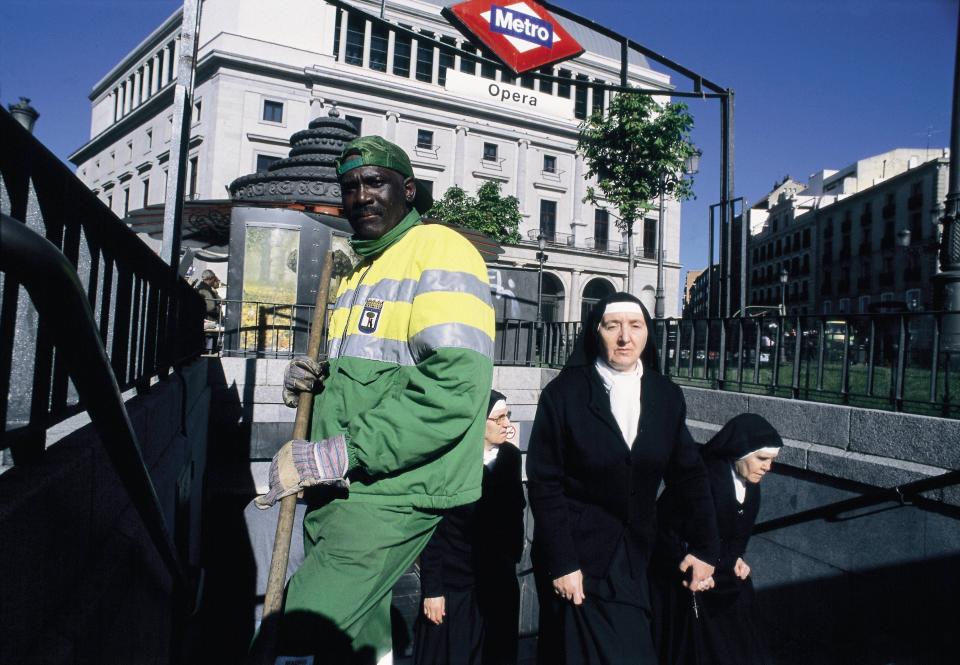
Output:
x,y
411,363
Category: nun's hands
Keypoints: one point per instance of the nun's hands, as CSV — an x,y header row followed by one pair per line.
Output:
x,y
741,569
435,609
570,587
701,578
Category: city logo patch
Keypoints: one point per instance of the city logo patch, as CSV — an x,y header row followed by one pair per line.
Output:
x,y
524,35
370,316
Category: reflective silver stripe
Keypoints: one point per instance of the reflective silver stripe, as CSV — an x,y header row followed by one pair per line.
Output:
x,y
454,281
451,335
374,348
388,290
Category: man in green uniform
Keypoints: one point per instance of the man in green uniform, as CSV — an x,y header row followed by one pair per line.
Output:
x,y
401,413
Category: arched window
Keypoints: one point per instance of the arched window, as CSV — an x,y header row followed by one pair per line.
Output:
x,y
552,298
595,290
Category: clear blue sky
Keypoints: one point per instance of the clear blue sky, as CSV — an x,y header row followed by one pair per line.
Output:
x,y
819,83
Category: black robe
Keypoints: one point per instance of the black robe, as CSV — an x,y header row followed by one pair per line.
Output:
x,y
593,502
471,561
722,630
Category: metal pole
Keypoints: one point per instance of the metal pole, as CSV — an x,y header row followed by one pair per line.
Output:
x,y
630,256
540,290
726,193
180,135
658,303
744,237
710,265
948,280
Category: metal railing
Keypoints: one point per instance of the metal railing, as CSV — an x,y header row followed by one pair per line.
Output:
x,y
249,328
86,311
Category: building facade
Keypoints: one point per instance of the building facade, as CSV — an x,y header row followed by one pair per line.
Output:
x,y
854,239
261,75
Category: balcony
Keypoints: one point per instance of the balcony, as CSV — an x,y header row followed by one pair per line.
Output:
x,y
599,245
606,246
552,238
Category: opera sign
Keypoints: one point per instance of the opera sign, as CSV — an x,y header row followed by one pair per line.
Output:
x,y
523,35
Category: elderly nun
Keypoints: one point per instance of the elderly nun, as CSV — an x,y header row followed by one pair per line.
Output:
x,y
607,431
718,627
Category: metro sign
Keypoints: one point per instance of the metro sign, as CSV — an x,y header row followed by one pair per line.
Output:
x,y
523,34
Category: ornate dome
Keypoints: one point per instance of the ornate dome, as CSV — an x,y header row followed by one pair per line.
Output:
x,y
307,175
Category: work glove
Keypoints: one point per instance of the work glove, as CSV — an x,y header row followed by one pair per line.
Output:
x,y
299,464
302,375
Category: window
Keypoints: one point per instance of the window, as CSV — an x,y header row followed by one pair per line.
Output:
x,y
447,59
598,94
863,304
601,228
489,152
192,190
549,164
580,99
487,70
356,122
113,160
548,218
129,152
563,89
468,64
527,81
272,111
806,238
149,139
844,306
354,52
401,54
264,162
378,47
886,297
197,109
425,60
146,193
546,86
649,237
914,302
110,201
126,201
425,139
827,307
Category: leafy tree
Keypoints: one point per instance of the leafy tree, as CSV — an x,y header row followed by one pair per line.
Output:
x,y
636,151
489,211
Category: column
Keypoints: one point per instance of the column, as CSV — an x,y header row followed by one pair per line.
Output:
x,y
164,66
578,189
155,75
137,82
414,46
393,119
573,298
113,103
344,21
127,96
316,104
459,154
176,56
367,37
589,97
435,74
456,54
391,41
523,146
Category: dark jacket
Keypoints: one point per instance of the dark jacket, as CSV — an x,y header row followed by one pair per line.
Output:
x,y
588,490
481,539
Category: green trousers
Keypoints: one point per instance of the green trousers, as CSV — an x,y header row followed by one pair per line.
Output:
x,y
338,603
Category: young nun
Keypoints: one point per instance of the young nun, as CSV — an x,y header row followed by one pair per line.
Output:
x,y
608,430
717,627
468,576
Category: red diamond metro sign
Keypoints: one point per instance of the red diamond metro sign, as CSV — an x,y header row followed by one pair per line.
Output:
x,y
522,34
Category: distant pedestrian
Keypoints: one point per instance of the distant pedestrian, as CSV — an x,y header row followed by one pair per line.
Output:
x,y
717,627
207,288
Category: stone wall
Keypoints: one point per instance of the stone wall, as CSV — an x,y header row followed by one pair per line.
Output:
x,y
82,582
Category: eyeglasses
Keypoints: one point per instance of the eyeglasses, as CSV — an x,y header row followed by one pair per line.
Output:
x,y
501,419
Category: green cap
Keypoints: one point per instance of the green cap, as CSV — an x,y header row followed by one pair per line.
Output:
x,y
377,151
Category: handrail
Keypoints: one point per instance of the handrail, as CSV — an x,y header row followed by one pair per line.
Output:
x,y
56,292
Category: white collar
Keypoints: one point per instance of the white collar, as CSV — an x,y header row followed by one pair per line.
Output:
x,y
739,485
609,376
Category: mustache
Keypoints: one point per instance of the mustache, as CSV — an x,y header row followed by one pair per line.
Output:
x,y
367,210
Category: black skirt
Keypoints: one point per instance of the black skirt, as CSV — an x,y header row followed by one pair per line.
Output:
x,y
611,627
457,640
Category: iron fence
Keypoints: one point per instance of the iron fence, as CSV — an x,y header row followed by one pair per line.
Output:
x,y
251,328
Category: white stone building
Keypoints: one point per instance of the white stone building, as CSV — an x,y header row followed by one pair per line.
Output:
x,y
264,70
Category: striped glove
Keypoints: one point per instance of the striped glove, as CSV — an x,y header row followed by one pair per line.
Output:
x,y
299,464
302,375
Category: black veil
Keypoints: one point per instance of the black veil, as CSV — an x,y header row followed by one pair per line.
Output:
x,y
588,345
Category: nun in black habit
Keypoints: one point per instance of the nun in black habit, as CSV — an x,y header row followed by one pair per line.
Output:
x,y
468,575
717,627
608,429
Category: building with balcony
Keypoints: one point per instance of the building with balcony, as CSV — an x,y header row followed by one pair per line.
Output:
x,y
263,75
851,239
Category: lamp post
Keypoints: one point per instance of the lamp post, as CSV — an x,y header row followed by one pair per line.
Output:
x,y
690,166
541,257
784,277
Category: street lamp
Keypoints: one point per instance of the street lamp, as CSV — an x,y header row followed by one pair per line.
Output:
x,y
784,276
541,257
690,166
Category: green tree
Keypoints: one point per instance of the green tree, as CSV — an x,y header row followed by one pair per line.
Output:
x,y
489,211
636,151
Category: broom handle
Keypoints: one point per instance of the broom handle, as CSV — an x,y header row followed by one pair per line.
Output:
x,y
288,505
